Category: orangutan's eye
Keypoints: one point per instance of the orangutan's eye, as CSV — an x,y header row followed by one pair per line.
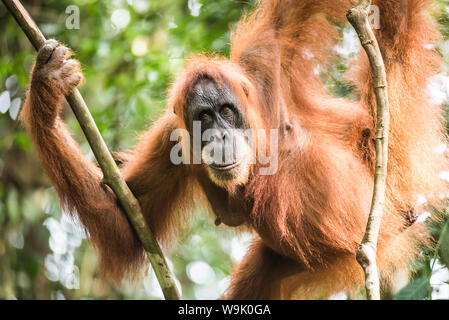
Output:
x,y
227,113
205,117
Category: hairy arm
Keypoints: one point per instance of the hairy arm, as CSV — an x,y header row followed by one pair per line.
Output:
x,y
76,179
165,191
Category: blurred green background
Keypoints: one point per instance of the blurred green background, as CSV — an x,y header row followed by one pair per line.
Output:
x,y
131,50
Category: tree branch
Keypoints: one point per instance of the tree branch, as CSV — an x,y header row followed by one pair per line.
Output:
x,y
111,172
366,255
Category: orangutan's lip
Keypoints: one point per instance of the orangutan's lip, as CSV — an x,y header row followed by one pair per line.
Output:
x,y
225,167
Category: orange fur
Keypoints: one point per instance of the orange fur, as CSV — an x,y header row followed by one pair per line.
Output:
x,y
311,214
332,175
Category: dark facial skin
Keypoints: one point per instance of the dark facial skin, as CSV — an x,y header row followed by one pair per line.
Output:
x,y
216,107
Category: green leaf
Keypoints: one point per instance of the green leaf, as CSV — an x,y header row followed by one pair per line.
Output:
x,y
12,205
419,289
443,244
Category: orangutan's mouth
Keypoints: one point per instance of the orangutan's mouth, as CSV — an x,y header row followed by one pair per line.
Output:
x,y
225,167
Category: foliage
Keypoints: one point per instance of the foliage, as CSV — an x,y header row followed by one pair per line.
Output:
x,y
131,51
42,254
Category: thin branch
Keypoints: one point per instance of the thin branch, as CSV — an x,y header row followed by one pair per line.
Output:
x,y
366,255
111,172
